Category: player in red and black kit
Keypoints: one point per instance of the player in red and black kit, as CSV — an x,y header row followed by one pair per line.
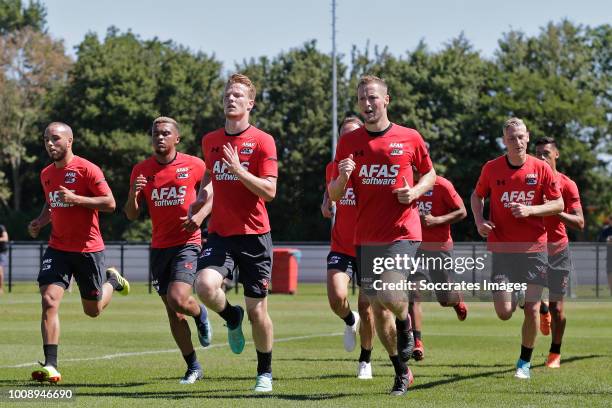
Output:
x,y
559,257
377,159
340,259
75,190
516,185
242,166
439,208
168,183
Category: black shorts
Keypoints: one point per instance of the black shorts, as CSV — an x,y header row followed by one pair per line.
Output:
x,y
529,268
342,262
559,269
174,264
372,271
435,268
250,254
58,267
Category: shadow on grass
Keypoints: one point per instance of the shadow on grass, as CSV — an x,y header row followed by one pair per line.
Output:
x,y
458,378
234,394
64,384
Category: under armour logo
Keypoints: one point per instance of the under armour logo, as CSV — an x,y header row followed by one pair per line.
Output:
x,y
215,150
501,182
358,153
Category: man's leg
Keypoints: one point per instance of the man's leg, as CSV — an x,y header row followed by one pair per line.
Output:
x,y
96,290
416,315
50,328
337,295
1,279
366,336
263,333
179,327
529,329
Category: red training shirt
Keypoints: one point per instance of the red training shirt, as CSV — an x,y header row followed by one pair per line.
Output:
x,y
382,159
236,210
169,191
346,216
555,228
527,184
440,200
74,228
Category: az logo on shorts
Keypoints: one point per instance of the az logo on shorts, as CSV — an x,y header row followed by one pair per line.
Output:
x,y
334,260
46,264
206,252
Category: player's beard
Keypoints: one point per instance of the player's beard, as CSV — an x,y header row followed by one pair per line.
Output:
x,y
58,156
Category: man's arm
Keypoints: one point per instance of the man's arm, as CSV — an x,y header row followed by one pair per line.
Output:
x,y
450,218
132,207
39,222
264,187
201,207
104,203
327,206
551,207
574,220
4,236
483,226
337,186
407,194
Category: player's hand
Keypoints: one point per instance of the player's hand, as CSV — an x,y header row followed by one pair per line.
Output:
x,y
485,228
346,167
520,210
429,220
191,223
406,194
138,185
232,160
327,208
68,197
34,228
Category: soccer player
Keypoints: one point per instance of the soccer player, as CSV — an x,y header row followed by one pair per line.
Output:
x,y
552,315
439,208
377,159
75,191
342,257
168,183
241,161
516,185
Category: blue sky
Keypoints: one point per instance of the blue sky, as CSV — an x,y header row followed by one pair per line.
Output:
x,y
239,29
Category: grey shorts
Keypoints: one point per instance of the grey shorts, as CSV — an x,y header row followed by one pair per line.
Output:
x,y
174,264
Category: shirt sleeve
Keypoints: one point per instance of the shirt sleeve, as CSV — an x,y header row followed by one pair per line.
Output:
x,y
452,200
550,187
422,161
96,182
571,197
483,188
268,162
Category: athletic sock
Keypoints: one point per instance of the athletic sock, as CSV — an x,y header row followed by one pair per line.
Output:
x,y
349,319
203,314
192,361
416,334
50,351
400,366
526,353
403,325
543,308
264,363
231,315
555,348
365,355
113,282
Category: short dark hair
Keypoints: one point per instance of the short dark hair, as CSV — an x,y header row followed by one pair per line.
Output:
x,y
546,140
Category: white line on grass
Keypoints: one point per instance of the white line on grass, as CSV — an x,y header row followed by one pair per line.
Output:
x,y
174,350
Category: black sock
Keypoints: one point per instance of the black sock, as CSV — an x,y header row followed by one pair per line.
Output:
x,y
400,366
416,334
349,319
264,363
555,348
231,315
113,281
50,351
365,355
192,361
526,353
403,325
543,308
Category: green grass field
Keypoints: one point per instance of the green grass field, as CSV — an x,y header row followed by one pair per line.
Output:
x,y
467,363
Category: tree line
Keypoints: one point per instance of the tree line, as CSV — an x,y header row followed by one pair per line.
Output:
x,y
558,81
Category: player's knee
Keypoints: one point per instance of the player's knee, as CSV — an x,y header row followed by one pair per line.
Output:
x,y
49,301
92,311
365,310
556,309
532,311
177,301
335,301
504,314
205,288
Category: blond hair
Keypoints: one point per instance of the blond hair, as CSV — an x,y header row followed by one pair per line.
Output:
x,y
514,122
244,80
369,79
